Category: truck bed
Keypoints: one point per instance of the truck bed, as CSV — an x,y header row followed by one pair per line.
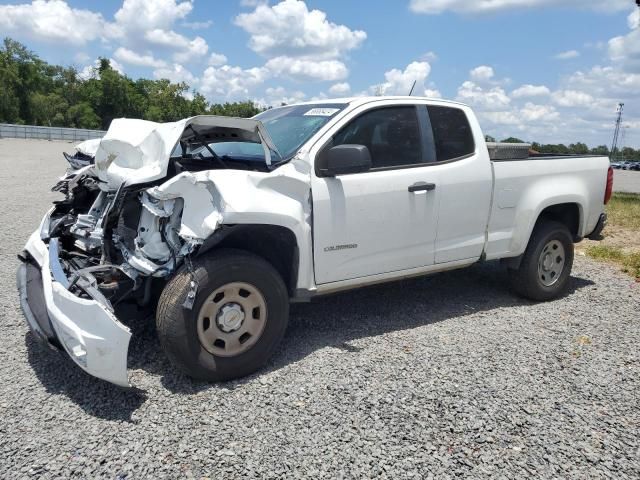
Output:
x,y
519,183
511,152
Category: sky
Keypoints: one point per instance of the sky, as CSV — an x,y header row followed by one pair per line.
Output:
x,y
552,71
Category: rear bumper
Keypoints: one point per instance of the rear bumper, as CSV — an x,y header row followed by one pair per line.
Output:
x,y
85,328
597,232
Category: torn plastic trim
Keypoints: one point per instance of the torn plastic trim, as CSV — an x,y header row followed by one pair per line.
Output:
x,y
202,205
89,332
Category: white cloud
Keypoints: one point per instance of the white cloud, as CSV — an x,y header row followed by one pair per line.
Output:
x,y
306,69
568,55
634,19
197,25
533,113
143,15
399,82
499,118
581,109
572,98
116,66
176,73
91,71
81,57
606,82
252,3
530,91
217,59
186,49
51,20
625,49
231,83
483,73
340,89
490,99
429,57
299,43
432,93
433,7
290,28
142,60
147,24
279,95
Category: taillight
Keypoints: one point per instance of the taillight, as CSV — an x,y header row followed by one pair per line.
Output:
x,y
609,190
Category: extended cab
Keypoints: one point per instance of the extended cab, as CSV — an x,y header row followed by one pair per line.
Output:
x,y
216,224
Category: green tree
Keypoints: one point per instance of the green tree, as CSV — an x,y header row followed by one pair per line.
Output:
x,y
48,109
600,150
82,115
579,148
236,109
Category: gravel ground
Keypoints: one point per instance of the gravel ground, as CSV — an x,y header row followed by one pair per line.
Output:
x,y
441,377
626,181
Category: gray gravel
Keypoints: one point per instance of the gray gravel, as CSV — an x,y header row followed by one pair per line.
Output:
x,y
438,377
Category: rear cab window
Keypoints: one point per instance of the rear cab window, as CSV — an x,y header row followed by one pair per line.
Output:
x,y
452,133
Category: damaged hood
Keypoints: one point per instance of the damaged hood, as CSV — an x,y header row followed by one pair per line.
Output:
x,y
138,151
88,147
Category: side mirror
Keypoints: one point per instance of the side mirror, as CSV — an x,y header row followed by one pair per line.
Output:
x,y
343,159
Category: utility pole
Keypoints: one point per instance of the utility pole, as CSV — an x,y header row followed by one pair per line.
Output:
x,y
616,133
624,139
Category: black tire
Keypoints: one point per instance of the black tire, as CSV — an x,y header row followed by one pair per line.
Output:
x,y
525,280
177,326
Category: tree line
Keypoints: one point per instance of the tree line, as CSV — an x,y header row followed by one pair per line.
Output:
x,y
579,148
34,92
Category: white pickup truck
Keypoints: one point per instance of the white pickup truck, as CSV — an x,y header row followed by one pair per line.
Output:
x,y
216,224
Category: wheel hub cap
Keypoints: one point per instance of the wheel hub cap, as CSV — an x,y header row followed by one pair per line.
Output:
x,y
551,263
230,317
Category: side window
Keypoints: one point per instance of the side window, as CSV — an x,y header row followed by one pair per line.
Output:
x,y
391,134
451,131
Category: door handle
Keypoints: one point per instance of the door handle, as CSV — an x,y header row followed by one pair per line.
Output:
x,y
422,187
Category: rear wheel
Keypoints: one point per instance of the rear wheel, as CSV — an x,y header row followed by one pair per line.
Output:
x,y
238,317
546,265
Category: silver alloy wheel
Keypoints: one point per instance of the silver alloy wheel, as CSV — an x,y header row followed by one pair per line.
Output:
x,y
551,263
232,319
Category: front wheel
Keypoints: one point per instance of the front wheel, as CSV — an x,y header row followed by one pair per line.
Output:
x,y
546,265
238,318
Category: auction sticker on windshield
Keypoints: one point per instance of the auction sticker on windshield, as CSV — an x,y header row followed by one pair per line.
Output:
x,y
322,112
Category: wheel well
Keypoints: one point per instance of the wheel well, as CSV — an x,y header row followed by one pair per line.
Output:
x,y
277,245
566,213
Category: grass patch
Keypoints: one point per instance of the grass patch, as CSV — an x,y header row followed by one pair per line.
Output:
x,y
624,210
630,261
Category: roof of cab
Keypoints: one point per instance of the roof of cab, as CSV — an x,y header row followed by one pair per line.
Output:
x,y
353,101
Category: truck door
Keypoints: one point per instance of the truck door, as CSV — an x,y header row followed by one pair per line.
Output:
x,y
465,183
382,220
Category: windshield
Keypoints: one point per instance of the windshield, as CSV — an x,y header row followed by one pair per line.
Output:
x,y
288,127
291,127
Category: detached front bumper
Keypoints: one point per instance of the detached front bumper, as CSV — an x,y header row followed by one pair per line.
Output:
x,y
86,329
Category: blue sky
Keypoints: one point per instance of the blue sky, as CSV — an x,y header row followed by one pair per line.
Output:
x,y
546,70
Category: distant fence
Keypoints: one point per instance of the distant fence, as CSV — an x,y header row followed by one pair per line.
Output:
x,y
8,130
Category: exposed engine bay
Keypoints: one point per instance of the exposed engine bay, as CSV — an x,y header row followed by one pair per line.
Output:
x,y
116,241
120,225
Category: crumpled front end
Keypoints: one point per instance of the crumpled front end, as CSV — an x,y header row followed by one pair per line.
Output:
x,y
94,251
85,326
117,237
